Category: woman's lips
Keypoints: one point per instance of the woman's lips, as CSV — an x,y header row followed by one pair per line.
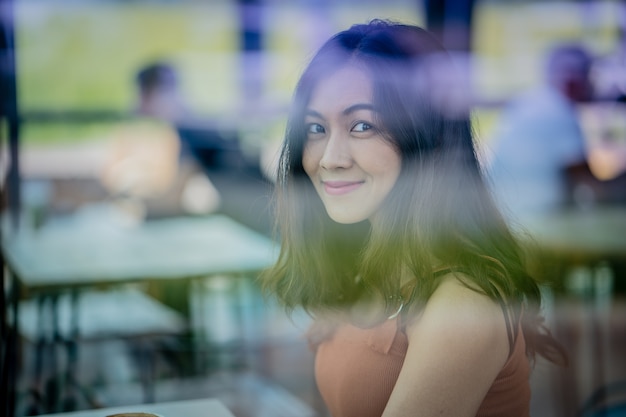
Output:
x,y
341,187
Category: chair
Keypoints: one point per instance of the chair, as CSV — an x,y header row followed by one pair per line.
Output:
x,y
91,316
607,401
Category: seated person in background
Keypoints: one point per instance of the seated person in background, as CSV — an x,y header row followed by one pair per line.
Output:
x,y
539,138
210,174
158,93
200,140
145,163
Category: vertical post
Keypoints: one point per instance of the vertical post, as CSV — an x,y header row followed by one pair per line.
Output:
x,y
451,22
9,196
251,48
9,120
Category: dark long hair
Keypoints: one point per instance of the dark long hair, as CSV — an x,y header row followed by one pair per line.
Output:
x,y
439,208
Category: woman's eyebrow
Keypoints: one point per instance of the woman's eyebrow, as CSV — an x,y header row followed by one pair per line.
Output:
x,y
313,113
357,107
349,110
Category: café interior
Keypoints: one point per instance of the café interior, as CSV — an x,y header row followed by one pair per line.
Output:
x,y
139,143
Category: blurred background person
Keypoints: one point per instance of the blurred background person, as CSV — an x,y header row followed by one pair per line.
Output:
x,y
201,141
147,164
158,92
181,162
538,137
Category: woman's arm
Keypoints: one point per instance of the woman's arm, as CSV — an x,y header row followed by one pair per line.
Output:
x,y
457,347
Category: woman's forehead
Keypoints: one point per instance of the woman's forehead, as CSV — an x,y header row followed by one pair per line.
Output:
x,y
341,89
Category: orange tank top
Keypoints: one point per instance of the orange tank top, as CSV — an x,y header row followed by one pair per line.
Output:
x,y
356,370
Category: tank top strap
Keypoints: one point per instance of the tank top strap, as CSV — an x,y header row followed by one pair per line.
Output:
x,y
441,272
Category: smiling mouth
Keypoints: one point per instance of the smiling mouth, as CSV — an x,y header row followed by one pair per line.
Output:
x,y
341,187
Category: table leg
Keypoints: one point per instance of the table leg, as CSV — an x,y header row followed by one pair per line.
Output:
x,y
69,402
147,360
4,317
50,385
4,335
10,348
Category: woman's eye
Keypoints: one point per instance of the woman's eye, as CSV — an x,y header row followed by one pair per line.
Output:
x,y
362,127
314,128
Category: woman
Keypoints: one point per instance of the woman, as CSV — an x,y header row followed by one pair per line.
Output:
x,y
391,241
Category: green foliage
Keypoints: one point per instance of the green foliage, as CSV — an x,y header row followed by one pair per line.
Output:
x,y
82,55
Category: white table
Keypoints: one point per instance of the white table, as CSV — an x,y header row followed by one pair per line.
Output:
x,y
78,255
191,408
590,238
592,234
88,254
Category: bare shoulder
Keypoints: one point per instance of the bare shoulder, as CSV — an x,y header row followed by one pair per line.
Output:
x,y
458,344
458,315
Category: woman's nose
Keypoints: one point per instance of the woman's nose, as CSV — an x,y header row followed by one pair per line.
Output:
x,y
336,153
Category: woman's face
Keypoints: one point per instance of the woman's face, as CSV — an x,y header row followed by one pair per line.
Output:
x,y
346,156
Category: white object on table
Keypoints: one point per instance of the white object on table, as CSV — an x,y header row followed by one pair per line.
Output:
x,y
190,408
